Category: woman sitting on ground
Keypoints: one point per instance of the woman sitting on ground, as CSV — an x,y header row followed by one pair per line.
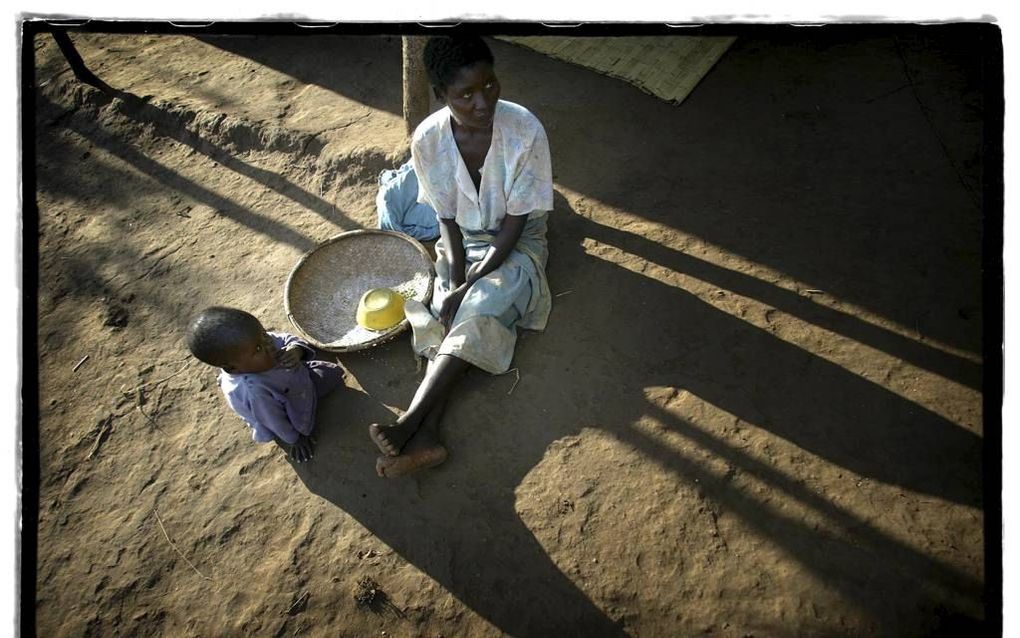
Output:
x,y
483,164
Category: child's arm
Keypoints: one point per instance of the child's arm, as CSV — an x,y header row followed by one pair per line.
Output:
x,y
293,350
271,423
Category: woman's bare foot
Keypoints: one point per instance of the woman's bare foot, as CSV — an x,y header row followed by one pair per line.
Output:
x,y
378,434
391,439
410,461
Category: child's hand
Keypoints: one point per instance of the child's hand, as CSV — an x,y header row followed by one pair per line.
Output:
x,y
290,356
302,450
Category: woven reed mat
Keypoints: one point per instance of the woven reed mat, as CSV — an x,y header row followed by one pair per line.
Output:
x,y
668,67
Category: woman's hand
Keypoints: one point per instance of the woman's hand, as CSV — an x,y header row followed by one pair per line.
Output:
x,y
451,305
499,250
472,269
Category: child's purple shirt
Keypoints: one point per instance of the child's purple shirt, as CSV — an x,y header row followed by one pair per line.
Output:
x,y
278,403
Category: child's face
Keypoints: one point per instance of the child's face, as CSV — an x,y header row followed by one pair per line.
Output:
x,y
256,355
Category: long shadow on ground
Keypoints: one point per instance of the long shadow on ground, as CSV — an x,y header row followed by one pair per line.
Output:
x,y
170,178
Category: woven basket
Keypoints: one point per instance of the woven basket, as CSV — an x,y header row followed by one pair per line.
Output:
x,y
323,290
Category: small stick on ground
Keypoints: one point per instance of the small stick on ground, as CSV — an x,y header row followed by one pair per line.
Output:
x,y
516,381
301,599
79,364
565,292
104,432
55,76
179,553
138,406
144,385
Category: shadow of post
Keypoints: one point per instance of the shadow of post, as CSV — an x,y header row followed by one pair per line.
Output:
x,y
679,340
878,573
946,364
172,179
171,125
175,125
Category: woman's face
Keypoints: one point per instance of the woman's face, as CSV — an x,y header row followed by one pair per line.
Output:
x,y
472,95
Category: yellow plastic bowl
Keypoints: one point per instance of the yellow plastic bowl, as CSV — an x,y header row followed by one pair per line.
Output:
x,y
380,309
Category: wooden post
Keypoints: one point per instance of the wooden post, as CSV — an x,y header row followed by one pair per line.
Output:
x,y
77,64
416,82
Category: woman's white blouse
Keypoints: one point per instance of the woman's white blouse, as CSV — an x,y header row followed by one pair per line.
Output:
x,y
516,173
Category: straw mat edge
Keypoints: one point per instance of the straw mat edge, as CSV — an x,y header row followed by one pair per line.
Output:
x,y
668,67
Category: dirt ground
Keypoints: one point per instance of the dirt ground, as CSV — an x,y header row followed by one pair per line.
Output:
x,y
757,409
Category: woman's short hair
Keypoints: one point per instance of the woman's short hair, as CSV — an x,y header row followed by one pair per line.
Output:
x,y
445,55
215,331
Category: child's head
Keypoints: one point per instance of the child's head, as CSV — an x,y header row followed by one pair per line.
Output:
x,y
230,339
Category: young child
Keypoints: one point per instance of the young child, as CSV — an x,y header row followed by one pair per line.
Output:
x,y
264,378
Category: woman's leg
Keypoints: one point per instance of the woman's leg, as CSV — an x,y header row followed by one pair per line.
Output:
x,y
431,395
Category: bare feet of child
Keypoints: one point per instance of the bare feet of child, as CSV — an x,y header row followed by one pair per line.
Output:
x,y
410,461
